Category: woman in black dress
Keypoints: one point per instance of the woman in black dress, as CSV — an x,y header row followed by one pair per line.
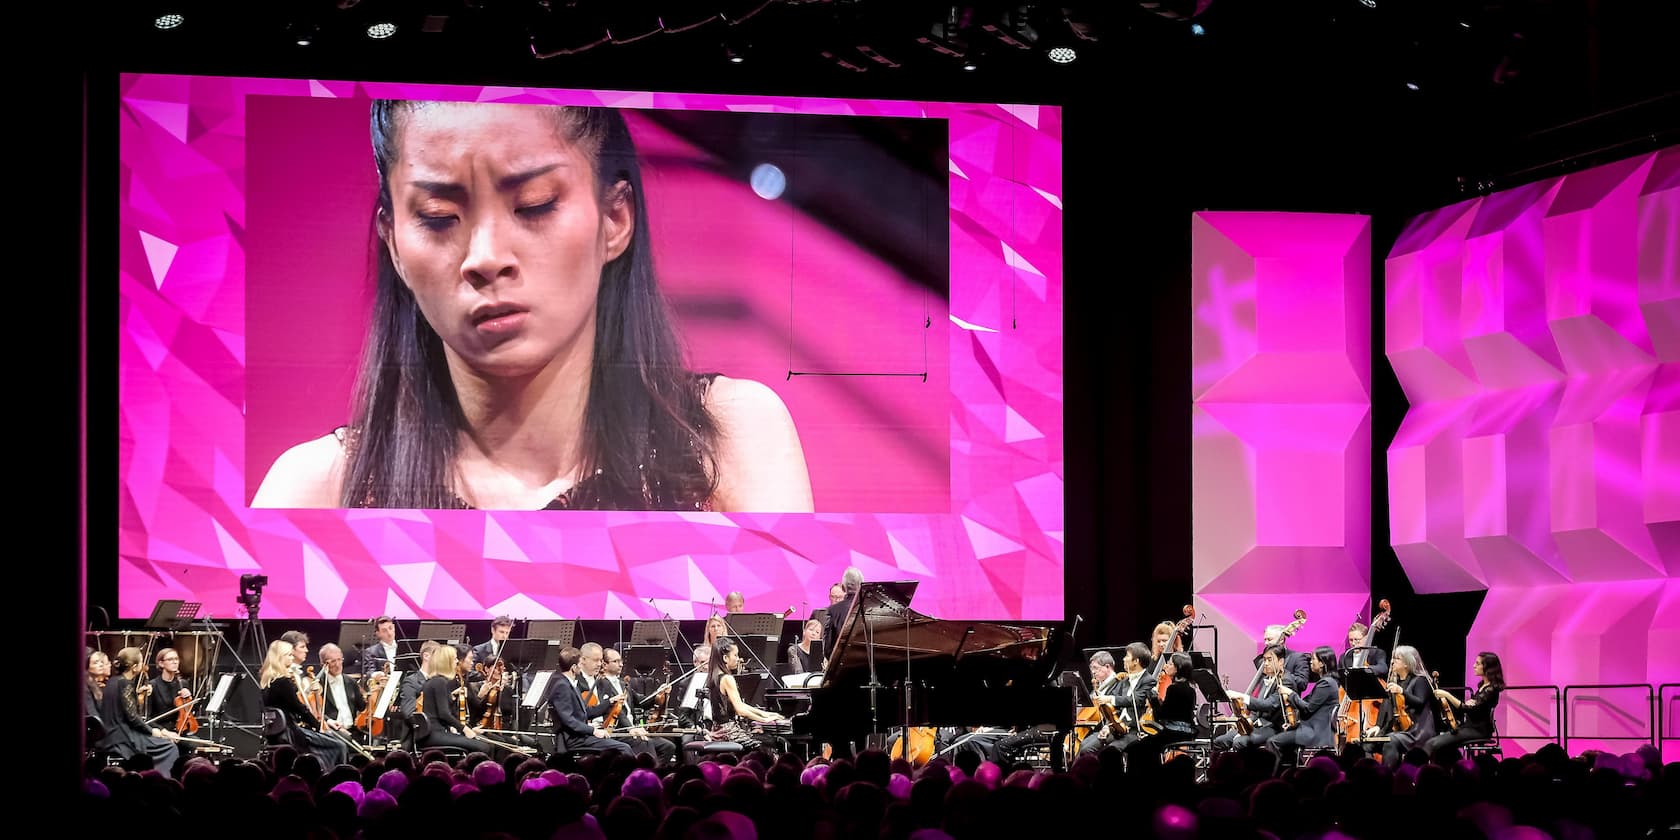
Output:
x,y
280,691
1475,715
125,697
1173,702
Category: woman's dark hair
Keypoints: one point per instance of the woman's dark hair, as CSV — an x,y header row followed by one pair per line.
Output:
x,y
1327,659
714,679
1493,673
1182,663
648,440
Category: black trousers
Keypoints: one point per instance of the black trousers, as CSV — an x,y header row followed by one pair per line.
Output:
x,y
1463,735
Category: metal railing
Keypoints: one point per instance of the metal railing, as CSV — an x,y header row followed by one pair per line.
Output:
x,y
1532,713
1659,716
1650,737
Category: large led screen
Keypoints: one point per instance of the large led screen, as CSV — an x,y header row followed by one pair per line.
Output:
x,y
842,317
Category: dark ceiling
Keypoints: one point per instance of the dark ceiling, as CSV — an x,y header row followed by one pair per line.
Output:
x,y
1485,91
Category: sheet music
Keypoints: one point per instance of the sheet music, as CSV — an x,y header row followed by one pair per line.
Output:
x,y
538,690
220,695
386,695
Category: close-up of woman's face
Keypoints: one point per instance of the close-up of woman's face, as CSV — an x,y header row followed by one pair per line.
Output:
x,y
496,229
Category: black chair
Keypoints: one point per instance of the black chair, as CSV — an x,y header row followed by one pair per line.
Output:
x,y
95,734
419,727
275,733
1483,746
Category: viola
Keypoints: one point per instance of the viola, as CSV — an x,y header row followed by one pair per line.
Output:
x,y
1447,716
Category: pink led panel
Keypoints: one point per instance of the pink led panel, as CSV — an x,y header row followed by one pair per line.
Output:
x,y
242,294
1536,333
1281,436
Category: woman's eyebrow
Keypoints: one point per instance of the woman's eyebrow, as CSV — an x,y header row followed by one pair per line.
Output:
x,y
503,184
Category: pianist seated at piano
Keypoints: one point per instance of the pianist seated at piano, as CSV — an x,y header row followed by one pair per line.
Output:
x,y
731,713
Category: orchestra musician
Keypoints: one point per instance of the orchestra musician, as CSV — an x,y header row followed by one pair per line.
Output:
x,y
1131,699
836,594
1263,703
716,628
850,582
1409,689
1358,655
409,690
280,691
1297,670
1315,708
344,697
122,701
1475,715
1107,685
500,629
299,641
1172,699
571,713
693,704
441,706
166,688
734,603
1164,641
611,683
800,658
382,654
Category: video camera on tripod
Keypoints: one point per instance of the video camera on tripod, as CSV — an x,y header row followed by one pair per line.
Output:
x,y
250,591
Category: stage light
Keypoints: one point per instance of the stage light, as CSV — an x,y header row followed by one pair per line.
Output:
x,y
1063,55
971,66
1369,4
768,181
1412,86
302,34
1197,29
168,21
382,30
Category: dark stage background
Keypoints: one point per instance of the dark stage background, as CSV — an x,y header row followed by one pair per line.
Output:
x,y
1288,107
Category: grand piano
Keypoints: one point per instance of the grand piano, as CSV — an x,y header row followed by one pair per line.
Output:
x,y
930,672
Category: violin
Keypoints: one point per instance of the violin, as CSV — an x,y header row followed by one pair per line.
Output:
x,y
495,675
1447,716
365,720
185,722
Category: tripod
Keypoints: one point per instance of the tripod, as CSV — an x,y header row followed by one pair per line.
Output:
x,y
252,630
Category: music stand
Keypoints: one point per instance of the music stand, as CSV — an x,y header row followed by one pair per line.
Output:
x,y
173,615
354,635
653,632
564,631
1213,691
1362,684
442,631
754,624
645,659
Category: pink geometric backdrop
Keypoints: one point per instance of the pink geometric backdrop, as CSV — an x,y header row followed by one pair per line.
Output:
x,y
185,529
1281,435
1536,333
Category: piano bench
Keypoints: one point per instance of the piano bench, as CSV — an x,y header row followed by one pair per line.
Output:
x,y
700,750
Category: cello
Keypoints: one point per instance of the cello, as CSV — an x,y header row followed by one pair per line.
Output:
x,y
1350,714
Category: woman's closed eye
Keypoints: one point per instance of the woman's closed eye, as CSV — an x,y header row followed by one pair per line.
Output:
x,y
531,211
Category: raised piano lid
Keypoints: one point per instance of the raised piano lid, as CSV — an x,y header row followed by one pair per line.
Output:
x,y
902,637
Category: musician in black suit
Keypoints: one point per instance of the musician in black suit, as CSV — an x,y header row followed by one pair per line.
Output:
x,y
1174,710
344,698
1132,695
383,651
1358,655
1262,703
1297,667
611,683
1106,684
1315,708
572,714
487,652
851,581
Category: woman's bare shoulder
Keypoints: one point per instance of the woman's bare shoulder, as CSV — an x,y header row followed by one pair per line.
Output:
x,y
761,465
307,475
